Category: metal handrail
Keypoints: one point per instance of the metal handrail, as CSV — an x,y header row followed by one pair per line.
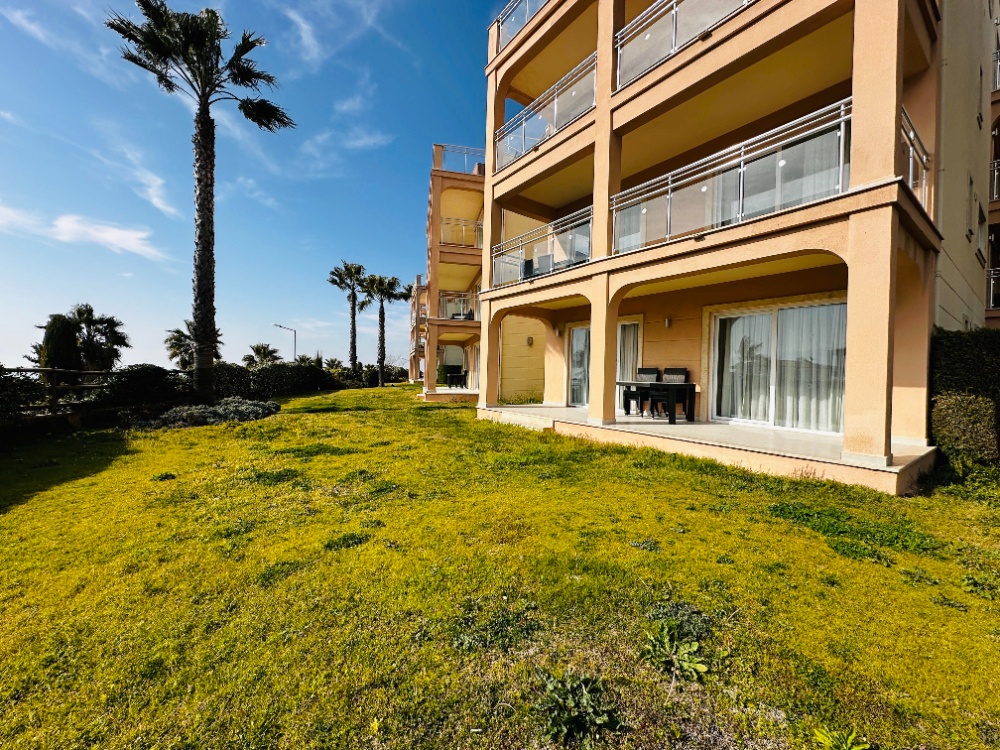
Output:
x,y
835,118
996,70
993,293
918,158
463,302
474,156
995,180
559,238
462,228
550,97
654,14
511,14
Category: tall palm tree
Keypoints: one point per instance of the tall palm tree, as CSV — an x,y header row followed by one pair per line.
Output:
x,y
383,289
348,277
261,354
181,346
184,52
99,337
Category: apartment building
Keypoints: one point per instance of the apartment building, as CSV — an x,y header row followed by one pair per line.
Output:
x,y
778,198
444,310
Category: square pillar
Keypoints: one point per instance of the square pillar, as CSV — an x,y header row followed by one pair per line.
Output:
x,y
915,280
608,144
871,308
431,360
492,211
489,358
877,88
555,366
603,354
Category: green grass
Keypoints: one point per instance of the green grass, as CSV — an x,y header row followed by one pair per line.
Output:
x,y
367,571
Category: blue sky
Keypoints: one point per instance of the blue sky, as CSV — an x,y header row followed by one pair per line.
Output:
x,y
96,185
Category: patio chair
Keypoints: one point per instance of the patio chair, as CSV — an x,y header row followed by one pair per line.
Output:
x,y
676,375
639,396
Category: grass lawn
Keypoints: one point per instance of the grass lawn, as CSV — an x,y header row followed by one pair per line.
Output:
x,y
366,571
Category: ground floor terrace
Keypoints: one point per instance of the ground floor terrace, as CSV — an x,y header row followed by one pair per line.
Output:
x,y
805,339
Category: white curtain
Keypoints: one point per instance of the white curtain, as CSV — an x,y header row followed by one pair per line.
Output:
x,y
628,355
812,343
579,376
743,370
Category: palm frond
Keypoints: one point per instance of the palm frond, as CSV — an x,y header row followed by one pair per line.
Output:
x,y
265,115
245,73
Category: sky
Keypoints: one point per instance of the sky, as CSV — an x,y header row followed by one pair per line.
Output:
x,y
96,177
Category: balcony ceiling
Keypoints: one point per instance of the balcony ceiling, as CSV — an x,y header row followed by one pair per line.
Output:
x,y
462,204
570,184
515,224
558,58
807,67
452,277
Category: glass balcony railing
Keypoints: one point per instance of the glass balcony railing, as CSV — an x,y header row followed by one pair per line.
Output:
x,y
458,306
461,159
993,298
995,181
996,70
554,247
515,17
418,315
916,160
804,161
666,27
462,232
570,98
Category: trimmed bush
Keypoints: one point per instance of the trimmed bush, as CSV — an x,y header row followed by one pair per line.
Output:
x,y
289,379
965,428
232,381
16,393
226,410
142,385
965,384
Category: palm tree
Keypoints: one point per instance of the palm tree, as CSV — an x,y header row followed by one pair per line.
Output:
x,y
184,52
383,289
261,354
348,277
99,337
181,347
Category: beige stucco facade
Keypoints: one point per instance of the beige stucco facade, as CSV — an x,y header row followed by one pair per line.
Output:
x,y
777,162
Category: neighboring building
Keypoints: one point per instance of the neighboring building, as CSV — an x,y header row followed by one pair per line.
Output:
x,y
444,312
993,241
781,196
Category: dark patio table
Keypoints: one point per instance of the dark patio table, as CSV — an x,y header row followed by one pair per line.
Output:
x,y
672,393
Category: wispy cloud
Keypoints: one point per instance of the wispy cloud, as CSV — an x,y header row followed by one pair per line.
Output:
x,y
253,191
325,27
359,139
7,116
74,229
309,47
150,185
95,57
362,98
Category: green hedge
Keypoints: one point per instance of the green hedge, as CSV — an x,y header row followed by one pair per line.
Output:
x,y
17,392
290,379
142,385
965,385
232,381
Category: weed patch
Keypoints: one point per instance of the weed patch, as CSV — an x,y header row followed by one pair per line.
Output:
x,y
314,450
347,541
279,571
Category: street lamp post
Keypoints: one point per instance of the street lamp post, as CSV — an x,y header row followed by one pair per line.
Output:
x,y
295,340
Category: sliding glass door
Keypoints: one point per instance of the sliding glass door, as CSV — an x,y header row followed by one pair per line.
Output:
x,y
782,366
579,366
628,356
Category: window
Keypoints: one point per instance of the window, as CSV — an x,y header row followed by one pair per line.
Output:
x,y
782,366
982,237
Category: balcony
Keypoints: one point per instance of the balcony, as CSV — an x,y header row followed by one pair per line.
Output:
x,y
460,159
995,181
993,293
458,306
554,247
418,314
569,99
462,232
916,160
665,28
515,17
996,70
417,344
804,161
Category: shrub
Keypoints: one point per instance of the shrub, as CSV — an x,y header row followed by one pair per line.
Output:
x,y
16,393
227,410
577,709
289,379
965,428
140,385
965,382
232,381
673,654
839,740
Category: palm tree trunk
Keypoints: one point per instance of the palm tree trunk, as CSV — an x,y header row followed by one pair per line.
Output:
x,y
353,356
204,254
381,343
